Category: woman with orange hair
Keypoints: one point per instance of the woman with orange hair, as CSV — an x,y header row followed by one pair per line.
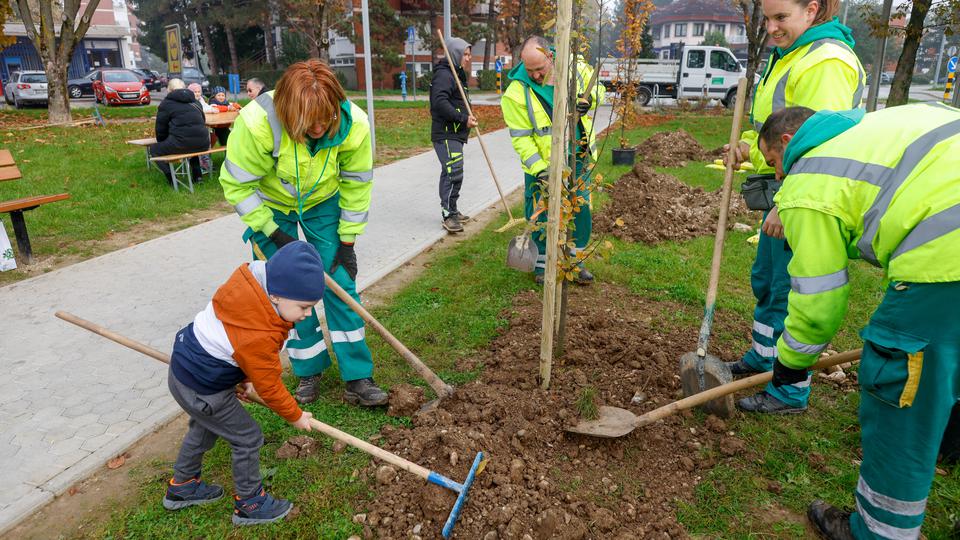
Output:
x,y
299,158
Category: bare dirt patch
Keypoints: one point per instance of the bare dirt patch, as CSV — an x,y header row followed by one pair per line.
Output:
x,y
540,480
672,149
648,206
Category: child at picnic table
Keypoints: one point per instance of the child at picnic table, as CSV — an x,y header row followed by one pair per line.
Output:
x,y
220,103
229,350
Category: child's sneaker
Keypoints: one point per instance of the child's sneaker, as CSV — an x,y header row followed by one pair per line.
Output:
x,y
261,508
190,493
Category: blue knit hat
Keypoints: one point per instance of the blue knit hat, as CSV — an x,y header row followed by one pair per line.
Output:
x,y
296,272
218,89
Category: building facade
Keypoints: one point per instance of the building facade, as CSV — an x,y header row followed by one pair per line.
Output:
x,y
109,42
687,22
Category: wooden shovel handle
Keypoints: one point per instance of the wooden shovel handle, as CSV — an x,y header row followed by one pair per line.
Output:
x,y
441,388
729,388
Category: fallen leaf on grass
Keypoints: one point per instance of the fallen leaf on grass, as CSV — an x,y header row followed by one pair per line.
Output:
x,y
73,491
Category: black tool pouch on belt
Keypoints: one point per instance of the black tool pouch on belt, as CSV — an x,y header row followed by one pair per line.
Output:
x,y
758,191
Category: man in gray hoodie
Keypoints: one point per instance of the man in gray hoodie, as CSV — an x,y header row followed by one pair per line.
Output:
x,y
450,128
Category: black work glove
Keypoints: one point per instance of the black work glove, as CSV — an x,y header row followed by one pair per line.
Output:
x,y
783,375
584,103
281,238
347,258
543,176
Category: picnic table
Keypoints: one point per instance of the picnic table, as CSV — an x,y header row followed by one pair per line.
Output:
x,y
220,118
16,207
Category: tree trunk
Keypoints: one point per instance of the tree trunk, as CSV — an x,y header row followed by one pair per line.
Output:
x,y
232,45
491,45
520,33
268,45
208,46
756,38
323,33
900,87
58,105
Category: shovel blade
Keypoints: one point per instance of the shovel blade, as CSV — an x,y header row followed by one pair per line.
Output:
x,y
522,253
715,373
611,422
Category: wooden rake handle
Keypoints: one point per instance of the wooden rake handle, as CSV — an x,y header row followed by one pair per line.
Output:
x,y
741,384
315,424
463,95
441,388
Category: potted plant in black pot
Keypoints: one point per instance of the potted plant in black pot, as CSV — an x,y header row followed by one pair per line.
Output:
x,y
629,46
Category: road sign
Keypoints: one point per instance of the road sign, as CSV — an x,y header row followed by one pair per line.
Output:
x,y
952,51
411,34
498,65
174,51
952,64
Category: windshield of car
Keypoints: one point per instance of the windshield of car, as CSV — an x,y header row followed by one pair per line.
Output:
x,y
33,78
119,76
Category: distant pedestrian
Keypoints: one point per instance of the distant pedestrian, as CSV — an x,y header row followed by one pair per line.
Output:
x,y
180,128
450,128
236,340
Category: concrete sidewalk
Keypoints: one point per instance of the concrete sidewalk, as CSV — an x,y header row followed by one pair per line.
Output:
x,y
71,400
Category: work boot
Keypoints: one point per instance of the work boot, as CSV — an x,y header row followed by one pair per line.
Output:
x,y
829,522
741,368
364,392
463,217
308,390
261,508
190,493
452,223
584,277
763,402
538,279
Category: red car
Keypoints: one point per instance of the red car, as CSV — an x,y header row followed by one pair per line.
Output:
x,y
118,87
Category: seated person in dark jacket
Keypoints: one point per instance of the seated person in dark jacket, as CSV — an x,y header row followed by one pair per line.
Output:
x,y
180,128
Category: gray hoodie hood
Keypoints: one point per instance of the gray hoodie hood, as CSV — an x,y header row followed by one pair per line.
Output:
x,y
456,46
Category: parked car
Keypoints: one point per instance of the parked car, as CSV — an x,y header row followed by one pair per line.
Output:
x,y
26,87
81,86
191,75
151,82
162,79
886,77
119,86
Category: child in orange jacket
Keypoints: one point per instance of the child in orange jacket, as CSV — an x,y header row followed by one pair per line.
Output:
x,y
230,349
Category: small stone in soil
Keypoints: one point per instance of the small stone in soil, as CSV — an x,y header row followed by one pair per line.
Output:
x,y
386,474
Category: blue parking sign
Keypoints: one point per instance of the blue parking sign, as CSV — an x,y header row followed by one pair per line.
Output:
x,y
498,65
952,64
411,34
234,82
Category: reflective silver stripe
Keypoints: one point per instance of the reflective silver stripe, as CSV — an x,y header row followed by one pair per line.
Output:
x,y
348,336
357,176
819,284
763,329
289,187
309,352
852,169
354,217
803,384
858,95
886,531
520,132
248,205
530,161
780,93
757,126
533,121
930,229
239,173
801,347
890,504
912,156
266,101
264,197
764,351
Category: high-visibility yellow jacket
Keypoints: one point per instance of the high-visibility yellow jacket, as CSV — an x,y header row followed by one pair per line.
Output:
x,y
823,74
529,123
886,190
265,169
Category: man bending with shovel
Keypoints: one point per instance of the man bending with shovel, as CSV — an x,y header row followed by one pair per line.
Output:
x,y
883,187
527,108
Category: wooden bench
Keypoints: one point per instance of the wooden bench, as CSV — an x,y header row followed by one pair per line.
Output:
x,y
16,207
180,166
145,143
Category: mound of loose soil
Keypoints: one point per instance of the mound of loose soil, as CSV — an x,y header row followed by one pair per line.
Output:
x,y
541,481
647,206
405,399
671,149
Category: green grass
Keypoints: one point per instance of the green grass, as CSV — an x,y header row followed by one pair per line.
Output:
x,y
734,500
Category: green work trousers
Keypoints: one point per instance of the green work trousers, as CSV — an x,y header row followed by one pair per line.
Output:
x,y
909,383
582,220
306,347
